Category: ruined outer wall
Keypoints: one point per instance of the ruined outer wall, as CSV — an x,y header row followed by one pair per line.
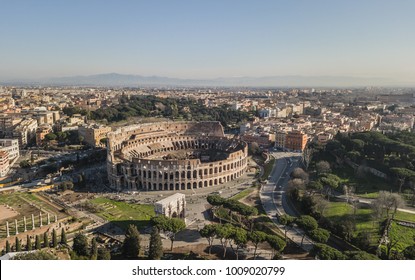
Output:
x,y
128,147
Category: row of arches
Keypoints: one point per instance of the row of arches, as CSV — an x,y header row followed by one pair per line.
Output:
x,y
152,186
201,172
165,144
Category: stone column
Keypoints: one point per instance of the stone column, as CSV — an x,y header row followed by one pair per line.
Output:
x,y
7,229
24,222
40,218
48,219
15,225
33,222
56,218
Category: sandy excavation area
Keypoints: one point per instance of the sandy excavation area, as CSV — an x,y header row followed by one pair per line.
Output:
x,y
7,213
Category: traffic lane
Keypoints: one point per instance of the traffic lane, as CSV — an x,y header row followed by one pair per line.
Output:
x,y
278,169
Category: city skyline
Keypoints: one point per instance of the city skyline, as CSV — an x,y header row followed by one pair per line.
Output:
x,y
209,40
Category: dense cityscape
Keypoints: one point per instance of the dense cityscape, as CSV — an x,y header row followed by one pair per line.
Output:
x,y
207,173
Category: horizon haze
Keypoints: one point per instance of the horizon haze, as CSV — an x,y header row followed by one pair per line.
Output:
x,y
349,43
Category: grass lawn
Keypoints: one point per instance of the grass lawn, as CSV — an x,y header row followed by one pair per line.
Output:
x,y
404,216
368,186
243,194
122,214
19,198
405,235
338,212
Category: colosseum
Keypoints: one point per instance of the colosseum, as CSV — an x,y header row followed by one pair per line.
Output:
x,y
173,156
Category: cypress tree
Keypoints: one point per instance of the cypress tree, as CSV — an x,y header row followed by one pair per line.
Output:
x,y
131,246
45,240
156,246
103,254
94,249
63,237
38,243
80,245
18,245
7,246
28,243
54,239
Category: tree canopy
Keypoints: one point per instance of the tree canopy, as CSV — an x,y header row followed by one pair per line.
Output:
x,y
80,245
325,252
131,246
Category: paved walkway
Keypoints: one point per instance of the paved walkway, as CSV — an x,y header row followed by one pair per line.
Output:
x,y
368,201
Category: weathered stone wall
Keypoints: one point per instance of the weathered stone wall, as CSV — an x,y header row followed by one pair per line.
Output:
x,y
130,168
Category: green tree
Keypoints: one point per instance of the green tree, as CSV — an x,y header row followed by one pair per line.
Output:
x,y
45,240
170,226
24,164
155,251
320,235
315,186
38,243
103,254
286,221
409,252
94,249
18,245
173,227
215,200
209,232
28,243
257,237
131,246
80,244
54,238
330,180
240,238
63,237
8,246
325,252
277,244
307,223
401,175
50,136
160,221
224,233
360,255
362,240
38,255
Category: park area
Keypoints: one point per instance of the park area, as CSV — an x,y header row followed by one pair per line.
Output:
x,y
122,213
365,222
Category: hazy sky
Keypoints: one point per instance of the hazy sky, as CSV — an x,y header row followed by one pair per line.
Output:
x,y
208,38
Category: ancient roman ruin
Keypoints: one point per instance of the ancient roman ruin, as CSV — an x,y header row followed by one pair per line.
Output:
x,y
173,156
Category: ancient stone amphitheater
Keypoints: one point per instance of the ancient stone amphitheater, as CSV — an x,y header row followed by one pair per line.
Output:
x,y
173,156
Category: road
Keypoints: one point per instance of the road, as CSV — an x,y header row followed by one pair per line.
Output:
x,y
273,196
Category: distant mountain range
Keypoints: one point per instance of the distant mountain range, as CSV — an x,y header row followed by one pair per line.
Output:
x,y
121,80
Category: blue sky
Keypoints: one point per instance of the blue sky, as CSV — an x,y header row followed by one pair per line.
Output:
x,y
207,39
